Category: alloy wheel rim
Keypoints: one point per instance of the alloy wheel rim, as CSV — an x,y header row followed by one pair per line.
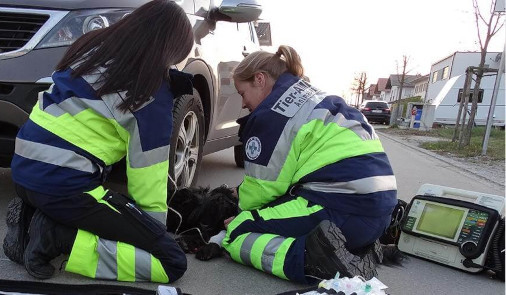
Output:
x,y
187,151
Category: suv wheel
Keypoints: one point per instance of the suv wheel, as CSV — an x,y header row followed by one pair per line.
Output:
x,y
187,140
239,155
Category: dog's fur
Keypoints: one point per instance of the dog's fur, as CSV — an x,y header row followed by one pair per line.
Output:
x,y
201,213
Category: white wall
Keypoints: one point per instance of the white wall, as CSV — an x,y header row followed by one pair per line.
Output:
x,y
443,93
420,89
394,93
435,87
385,95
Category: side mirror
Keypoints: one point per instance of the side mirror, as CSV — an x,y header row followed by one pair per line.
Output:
x,y
239,11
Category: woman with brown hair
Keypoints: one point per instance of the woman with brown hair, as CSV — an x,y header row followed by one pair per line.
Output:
x,y
112,97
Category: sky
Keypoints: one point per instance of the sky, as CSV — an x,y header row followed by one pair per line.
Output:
x,y
338,39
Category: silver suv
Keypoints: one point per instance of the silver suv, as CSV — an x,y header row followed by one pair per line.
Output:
x,y
34,35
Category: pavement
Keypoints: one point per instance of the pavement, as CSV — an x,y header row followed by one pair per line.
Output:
x,y
412,167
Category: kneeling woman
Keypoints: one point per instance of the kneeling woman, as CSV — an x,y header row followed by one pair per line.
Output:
x,y
112,97
318,184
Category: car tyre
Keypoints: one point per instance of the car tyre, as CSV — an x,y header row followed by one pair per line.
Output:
x,y
239,155
187,142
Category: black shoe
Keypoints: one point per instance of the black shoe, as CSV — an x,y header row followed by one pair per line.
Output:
x,y
48,240
19,215
326,254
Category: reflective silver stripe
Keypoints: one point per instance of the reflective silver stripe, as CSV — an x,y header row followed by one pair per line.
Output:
x,y
53,155
107,107
269,253
142,265
360,186
137,157
284,144
75,105
160,216
247,245
92,79
353,125
107,267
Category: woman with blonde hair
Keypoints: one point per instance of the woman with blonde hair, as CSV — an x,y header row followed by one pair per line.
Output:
x,y
318,190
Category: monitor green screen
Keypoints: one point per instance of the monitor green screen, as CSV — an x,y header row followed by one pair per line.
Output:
x,y
440,220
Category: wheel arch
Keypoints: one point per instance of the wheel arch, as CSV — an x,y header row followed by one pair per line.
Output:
x,y
205,84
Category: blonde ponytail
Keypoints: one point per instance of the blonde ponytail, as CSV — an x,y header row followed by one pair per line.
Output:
x,y
275,64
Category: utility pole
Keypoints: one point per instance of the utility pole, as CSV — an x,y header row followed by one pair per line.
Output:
x,y
491,111
498,9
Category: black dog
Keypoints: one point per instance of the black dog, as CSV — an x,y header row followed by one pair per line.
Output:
x,y
196,214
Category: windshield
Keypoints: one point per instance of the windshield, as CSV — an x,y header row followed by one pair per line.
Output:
x,y
376,105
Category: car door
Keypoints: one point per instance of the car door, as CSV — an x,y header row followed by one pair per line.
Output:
x,y
222,49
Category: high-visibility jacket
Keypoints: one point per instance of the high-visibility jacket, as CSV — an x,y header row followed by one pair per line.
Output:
x,y
314,145
71,140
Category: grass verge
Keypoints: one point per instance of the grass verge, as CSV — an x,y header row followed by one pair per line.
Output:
x,y
495,150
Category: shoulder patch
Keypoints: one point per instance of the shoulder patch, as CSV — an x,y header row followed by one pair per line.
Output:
x,y
253,148
293,98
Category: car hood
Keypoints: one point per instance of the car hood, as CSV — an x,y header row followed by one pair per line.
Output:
x,y
72,4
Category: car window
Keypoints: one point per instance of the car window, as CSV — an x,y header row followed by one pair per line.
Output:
x,y
376,105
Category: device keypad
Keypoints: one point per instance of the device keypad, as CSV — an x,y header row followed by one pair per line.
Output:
x,y
473,226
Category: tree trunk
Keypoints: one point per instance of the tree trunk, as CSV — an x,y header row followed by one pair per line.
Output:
x,y
463,126
464,98
474,107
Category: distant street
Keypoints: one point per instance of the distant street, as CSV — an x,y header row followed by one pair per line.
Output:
x,y
222,276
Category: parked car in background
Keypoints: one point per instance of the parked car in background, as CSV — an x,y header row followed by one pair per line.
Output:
x,y
34,35
376,111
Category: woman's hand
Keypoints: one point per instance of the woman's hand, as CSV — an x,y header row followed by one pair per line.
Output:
x,y
227,221
234,192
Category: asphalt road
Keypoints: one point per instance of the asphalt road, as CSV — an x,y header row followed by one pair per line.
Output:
x,y
223,276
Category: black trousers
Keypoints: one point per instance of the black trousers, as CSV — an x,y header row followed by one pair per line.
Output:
x,y
131,225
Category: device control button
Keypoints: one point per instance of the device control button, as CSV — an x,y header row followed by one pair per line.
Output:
x,y
469,249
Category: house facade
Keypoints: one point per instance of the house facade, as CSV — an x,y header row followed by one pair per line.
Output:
x,y
446,83
421,85
371,93
381,89
394,85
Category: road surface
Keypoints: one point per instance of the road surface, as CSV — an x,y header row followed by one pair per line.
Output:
x,y
223,276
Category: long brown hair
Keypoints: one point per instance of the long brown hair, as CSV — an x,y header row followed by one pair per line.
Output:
x,y
274,64
136,52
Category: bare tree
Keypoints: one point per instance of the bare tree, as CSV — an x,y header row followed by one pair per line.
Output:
x,y
491,23
402,81
358,86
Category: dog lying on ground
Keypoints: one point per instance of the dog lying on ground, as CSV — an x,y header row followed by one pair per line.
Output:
x,y
196,214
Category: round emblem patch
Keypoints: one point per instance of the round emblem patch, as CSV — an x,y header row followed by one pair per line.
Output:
x,y
253,148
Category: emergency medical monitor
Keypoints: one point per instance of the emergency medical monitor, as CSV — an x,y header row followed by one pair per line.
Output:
x,y
447,220
447,231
